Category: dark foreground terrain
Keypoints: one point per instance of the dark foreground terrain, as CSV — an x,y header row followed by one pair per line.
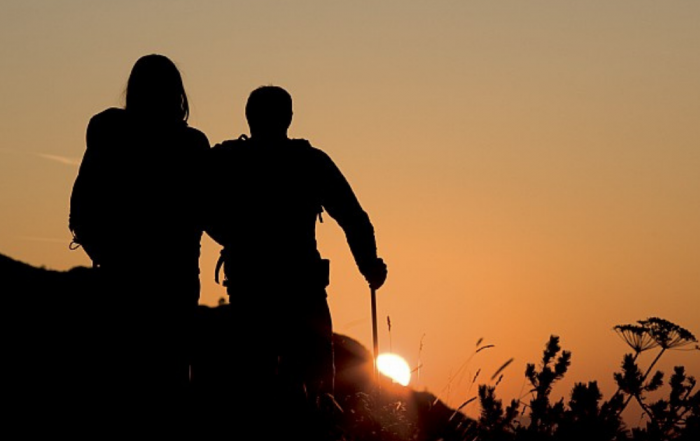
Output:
x,y
48,338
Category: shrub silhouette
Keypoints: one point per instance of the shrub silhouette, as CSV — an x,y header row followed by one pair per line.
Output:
x,y
586,416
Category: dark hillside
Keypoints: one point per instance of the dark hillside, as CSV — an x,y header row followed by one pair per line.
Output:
x,y
50,314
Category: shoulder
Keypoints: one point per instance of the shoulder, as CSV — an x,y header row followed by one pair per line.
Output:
x,y
317,156
110,113
103,126
302,143
225,151
197,137
110,116
305,146
231,145
316,160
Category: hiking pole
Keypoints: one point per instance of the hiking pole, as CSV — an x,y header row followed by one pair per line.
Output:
x,y
375,341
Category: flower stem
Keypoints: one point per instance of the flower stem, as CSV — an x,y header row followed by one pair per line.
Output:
x,y
644,378
653,363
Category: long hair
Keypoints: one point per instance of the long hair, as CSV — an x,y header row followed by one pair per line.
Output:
x,y
155,90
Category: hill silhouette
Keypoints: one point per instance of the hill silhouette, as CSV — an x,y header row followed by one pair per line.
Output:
x,y
51,313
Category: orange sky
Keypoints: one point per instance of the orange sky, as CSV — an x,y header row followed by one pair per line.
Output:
x,y
531,167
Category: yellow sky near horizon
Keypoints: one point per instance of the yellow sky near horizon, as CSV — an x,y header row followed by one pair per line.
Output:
x,y
531,167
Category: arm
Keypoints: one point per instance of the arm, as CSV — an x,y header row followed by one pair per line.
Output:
x,y
85,201
339,200
213,206
200,146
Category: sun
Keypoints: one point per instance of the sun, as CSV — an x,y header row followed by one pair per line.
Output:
x,y
394,367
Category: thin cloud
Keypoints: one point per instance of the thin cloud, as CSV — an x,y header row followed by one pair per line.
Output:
x,y
60,159
74,162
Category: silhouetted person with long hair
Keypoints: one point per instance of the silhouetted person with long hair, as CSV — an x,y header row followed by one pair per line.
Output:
x,y
135,209
266,194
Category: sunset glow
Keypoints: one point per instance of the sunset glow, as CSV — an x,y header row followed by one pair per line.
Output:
x,y
529,168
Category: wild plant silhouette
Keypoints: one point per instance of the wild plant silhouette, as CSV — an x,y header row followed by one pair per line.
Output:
x,y
586,416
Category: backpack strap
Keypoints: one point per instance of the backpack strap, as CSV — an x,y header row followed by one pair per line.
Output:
x,y
217,270
74,243
220,261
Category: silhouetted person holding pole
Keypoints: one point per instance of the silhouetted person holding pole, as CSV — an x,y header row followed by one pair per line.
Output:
x,y
265,195
135,209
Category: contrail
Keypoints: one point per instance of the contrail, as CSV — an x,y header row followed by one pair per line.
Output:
x,y
60,159
55,158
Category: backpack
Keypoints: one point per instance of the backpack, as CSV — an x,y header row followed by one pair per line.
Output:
x,y
236,147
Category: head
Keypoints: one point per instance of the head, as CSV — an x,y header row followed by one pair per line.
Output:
x,y
155,90
269,112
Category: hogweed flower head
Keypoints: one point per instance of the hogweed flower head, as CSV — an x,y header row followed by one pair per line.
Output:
x,y
637,337
666,334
